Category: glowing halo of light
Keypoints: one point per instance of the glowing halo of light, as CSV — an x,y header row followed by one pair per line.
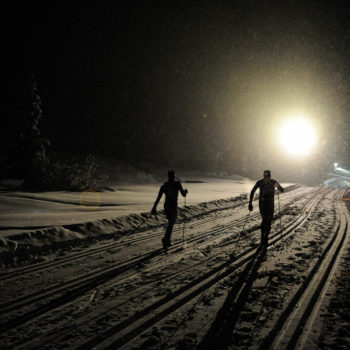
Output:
x,y
82,199
297,136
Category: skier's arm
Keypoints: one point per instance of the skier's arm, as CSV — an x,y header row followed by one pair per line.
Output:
x,y
252,192
279,187
182,191
160,193
250,206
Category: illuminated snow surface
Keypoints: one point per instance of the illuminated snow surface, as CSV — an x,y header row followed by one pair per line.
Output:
x,y
84,299
22,210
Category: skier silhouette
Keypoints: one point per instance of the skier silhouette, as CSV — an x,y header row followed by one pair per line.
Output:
x,y
266,202
171,190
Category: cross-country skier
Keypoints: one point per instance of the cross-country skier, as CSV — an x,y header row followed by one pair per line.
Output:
x,y
171,190
266,202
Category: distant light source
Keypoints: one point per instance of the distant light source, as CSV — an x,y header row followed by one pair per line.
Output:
x,y
297,135
335,165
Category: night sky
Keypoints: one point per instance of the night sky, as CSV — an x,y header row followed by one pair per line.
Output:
x,y
173,80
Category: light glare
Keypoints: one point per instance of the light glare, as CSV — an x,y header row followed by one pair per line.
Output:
x,y
297,136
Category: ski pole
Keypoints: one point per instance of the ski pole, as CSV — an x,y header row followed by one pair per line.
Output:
x,y
183,227
240,235
246,220
279,209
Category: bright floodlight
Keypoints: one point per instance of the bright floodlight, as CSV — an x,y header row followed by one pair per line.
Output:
x,y
297,136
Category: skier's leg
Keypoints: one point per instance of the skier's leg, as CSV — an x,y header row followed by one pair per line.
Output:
x,y
264,230
264,223
168,231
171,214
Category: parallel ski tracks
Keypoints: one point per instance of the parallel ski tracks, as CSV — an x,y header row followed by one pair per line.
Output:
x,y
105,248
71,291
292,327
240,260
116,245
220,332
103,274
121,333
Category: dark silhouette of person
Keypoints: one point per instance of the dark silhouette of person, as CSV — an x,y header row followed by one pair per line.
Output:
x,y
266,202
171,190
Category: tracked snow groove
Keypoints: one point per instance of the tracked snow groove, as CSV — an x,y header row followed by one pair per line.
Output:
x,y
68,291
128,294
124,332
200,221
291,330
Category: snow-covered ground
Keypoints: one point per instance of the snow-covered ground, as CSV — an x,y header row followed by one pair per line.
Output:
x,y
215,288
55,216
25,209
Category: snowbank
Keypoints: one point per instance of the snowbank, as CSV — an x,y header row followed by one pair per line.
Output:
x,y
27,240
45,239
